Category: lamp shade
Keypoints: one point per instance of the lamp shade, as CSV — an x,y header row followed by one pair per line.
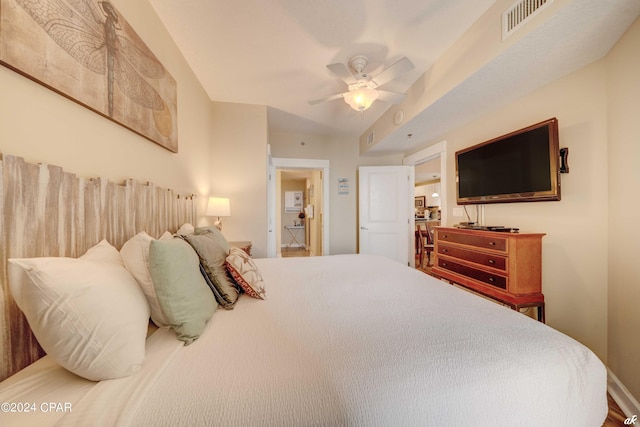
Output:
x,y
218,206
361,99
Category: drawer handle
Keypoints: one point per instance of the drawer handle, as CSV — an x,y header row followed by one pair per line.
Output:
x,y
491,279
492,243
491,261
444,264
444,251
445,236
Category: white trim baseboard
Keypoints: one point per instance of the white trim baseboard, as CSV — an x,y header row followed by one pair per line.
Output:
x,y
622,395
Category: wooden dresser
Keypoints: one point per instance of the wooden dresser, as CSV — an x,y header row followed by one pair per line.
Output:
x,y
506,267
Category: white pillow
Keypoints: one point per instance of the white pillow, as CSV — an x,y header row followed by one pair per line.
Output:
x,y
185,228
135,255
88,313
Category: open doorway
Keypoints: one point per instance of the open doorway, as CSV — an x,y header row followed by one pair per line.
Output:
x,y
297,212
427,190
427,210
427,163
314,203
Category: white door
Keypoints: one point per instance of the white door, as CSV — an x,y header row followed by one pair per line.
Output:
x,y
386,211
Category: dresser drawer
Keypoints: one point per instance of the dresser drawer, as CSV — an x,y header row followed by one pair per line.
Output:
x,y
482,258
485,242
495,280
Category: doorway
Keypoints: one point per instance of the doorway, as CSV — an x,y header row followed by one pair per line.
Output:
x,y
434,154
315,199
299,232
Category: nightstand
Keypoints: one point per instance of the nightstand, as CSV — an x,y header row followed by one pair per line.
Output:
x,y
245,246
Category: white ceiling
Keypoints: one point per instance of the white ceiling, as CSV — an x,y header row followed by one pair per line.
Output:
x,y
275,52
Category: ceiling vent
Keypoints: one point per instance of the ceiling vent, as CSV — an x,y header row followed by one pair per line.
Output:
x,y
521,12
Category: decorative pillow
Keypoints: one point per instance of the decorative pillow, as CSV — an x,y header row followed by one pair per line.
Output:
x,y
213,253
245,272
135,255
88,313
185,300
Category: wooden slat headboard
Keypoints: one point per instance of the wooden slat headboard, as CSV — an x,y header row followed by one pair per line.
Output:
x,y
49,212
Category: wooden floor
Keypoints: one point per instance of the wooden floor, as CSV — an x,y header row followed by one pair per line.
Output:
x,y
426,267
615,417
294,252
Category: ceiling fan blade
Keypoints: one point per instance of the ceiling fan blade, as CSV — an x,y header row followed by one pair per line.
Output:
x,y
328,98
342,71
397,69
391,97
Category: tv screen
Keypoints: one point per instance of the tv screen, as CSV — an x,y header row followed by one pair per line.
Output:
x,y
518,167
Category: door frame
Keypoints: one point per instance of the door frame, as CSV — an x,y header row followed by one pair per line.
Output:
x,y
276,163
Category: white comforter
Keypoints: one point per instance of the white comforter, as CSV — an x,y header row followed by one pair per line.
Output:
x,y
357,340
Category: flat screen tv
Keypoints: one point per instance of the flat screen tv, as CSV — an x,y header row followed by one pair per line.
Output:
x,y
522,166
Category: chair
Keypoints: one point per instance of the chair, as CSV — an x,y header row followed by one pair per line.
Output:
x,y
429,240
419,247
425,244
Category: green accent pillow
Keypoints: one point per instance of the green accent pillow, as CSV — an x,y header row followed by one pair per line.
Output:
x,y
183,295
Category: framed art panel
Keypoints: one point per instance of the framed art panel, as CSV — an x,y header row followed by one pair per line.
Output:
x,y
420,201
292,201
86,51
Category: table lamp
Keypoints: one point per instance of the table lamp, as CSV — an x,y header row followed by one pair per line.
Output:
x,y
218,206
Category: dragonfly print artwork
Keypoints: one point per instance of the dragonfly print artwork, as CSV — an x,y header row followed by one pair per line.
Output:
x,y
85,50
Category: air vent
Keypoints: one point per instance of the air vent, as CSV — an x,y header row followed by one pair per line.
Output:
x,y
370,139
517,15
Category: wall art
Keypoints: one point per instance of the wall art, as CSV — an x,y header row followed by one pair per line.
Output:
x,y
86,51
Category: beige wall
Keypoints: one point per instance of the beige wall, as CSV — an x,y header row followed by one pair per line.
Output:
x,y
238,167
623,71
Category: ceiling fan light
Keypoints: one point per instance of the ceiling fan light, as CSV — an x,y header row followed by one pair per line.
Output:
x,y
361,99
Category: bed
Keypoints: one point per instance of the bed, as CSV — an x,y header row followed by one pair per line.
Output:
x,y
337,340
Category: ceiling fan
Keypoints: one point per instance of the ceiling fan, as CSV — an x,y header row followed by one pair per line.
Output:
x,y
363,88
